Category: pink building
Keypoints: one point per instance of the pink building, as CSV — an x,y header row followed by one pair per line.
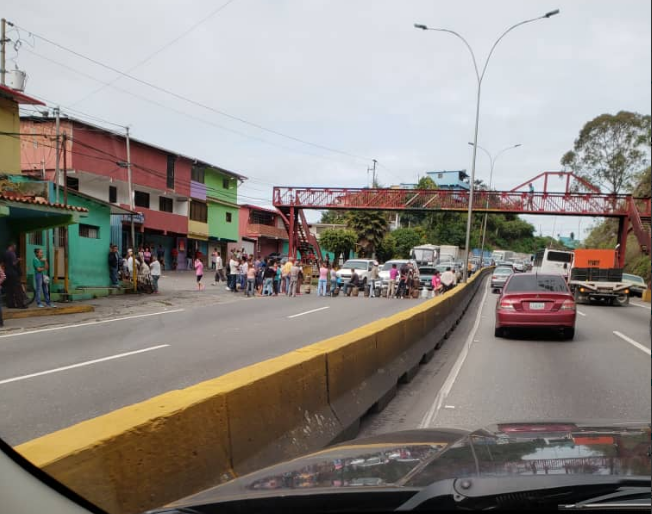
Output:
x,y
262,231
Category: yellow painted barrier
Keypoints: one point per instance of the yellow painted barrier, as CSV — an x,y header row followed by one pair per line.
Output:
x,y
647,295
145,455
60,310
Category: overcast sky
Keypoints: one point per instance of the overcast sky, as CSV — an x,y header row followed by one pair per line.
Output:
x,y
351,75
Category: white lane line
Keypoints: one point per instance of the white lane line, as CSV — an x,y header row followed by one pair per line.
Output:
x,y
641,305
308,312
443,393
89,323
641,347
581,313
82,364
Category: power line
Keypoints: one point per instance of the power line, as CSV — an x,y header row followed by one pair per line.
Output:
x,y
196,103
165,106
154,54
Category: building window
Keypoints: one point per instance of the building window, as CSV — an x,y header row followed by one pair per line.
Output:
x,y
172,159
229,217
197,174
89,231
113,194
165,204
141,199
262,218
72,183
226,183
60,234
198,211
35,238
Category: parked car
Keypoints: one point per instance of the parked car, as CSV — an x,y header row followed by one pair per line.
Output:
x,y
384,269
637,284
536,301
425,277
362,268
500,276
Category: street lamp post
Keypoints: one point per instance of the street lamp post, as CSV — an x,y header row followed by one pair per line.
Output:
x,y
492,161
480,77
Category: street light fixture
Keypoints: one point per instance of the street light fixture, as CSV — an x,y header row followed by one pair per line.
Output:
x,y
480,77
492,161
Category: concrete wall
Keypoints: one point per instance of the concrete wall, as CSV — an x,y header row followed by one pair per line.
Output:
x,y
9,145
184,441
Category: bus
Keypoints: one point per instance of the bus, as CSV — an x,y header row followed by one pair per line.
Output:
x,y
553,261
425,255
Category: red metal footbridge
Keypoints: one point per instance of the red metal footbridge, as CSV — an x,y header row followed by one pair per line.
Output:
x,y
579,199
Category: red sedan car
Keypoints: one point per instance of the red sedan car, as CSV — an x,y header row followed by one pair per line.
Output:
x,y
536,301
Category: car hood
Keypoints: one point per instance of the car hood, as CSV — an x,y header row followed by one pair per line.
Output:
x,y
415,459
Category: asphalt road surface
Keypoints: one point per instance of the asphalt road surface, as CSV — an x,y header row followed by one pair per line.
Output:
x,y
55,377
477,379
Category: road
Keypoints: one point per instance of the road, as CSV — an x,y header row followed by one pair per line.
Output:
x,y
57,376
477,379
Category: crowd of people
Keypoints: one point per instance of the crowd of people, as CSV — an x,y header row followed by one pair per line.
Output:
x,y
148,266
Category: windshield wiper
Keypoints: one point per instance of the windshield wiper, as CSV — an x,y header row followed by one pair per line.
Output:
x,y
628,498
520,492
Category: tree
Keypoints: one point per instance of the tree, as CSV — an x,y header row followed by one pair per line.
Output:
x,y
611,149
339,241
370,227
386,249
406,239
333,217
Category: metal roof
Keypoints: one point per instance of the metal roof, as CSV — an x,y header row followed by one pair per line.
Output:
x,y
37,200
18,96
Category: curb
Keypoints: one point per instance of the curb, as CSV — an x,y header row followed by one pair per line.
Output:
x,y
46,311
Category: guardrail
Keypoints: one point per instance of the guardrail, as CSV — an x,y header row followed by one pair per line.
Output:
x,y
181,442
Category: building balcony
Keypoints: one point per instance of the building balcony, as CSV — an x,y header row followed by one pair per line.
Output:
x,y
164,221
255,230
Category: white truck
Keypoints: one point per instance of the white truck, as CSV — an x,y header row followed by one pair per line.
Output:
x,y
425,255
448,253
502,255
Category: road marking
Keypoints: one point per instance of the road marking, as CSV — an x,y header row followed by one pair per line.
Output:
x,y
89,323
308,312
644,349
449,406
82,364
641,305
581,313
443,393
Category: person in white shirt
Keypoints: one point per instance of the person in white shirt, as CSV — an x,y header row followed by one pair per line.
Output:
x,y
233,274
448,279
155,270
219,269
130,262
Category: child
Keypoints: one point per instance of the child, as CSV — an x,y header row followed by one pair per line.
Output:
x,y
199,272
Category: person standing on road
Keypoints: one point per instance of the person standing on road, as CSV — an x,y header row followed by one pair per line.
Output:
x,y
436,283
199,273
41,278
233,273
244,271
155,270
130,263
293,276
160,255
323,278
447,280
147,255
219,269
277,278
214,259
285,274
114,262
268,279
333,277
373,276
175,257
251,281
391,286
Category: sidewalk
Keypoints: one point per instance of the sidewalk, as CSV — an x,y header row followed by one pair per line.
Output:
x,y
178,290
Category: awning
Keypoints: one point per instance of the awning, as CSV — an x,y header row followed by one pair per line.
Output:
x,y
222,239
115,209
27,214
198,237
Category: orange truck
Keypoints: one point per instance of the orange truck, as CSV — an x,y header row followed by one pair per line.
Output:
x,y
596,277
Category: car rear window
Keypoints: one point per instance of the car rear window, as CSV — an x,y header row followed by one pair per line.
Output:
x,y
359,265
527,283
503,271
426,271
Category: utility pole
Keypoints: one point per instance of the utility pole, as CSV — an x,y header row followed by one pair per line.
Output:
x,y
3,51
57,151
65,171
134,274
66,276
373,176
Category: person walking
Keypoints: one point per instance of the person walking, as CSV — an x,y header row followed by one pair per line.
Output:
x,y
295,270
155,270
391,286
41,278
114,263
3,277
402,282
323,278
219,269
373,276
14,295
199,273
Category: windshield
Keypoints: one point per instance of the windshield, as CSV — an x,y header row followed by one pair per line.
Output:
x,y
201,204
532,282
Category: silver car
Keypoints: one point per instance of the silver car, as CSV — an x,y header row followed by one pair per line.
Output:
x,y
500,276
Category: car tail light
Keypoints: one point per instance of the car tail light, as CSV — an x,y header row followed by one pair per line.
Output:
x,y
494,277
506,305
568,305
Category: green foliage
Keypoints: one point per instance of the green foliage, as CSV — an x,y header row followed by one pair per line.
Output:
x,y
642,190
333,217
426,182
339,241
611,149
386,250
406,239
370,227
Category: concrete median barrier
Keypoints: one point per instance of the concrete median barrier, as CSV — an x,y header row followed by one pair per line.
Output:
x,y
176,444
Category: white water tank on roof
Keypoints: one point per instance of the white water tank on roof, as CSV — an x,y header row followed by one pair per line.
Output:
x,y
17,79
